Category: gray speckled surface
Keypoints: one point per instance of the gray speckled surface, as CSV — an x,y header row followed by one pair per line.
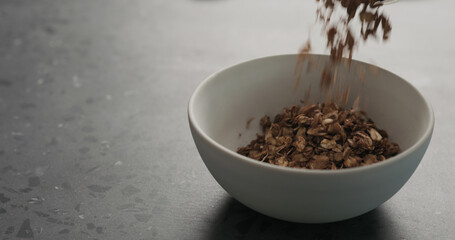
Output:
x,y
94,139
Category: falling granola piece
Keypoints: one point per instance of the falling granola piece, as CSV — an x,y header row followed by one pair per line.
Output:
x,y
248,122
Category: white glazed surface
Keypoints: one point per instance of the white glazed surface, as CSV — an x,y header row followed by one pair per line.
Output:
x,y
221,105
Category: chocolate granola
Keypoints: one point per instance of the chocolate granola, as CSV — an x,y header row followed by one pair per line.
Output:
x,y
320,136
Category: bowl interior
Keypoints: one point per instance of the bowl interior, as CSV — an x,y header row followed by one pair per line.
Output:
x,y
224,102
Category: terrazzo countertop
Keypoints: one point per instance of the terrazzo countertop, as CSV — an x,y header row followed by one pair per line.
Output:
x,y
94,136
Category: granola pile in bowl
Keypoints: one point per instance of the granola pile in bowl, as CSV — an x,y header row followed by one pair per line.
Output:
x,y
320,136
226,112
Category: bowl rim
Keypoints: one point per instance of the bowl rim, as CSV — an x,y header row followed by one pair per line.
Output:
x,y
195,126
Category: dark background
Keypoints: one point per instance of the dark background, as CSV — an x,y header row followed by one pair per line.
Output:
x,y
94,137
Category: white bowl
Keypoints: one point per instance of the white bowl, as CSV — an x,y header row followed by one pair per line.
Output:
x,y
222,103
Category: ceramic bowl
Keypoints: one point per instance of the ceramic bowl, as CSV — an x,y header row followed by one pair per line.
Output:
x,y
221,105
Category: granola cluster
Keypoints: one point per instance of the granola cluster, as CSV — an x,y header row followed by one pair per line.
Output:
x,y
320,136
